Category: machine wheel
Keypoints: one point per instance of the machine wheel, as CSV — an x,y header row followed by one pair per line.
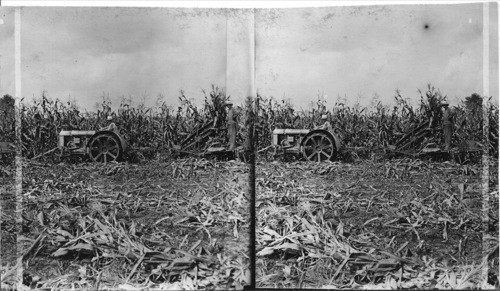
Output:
x,y
105,147
318,146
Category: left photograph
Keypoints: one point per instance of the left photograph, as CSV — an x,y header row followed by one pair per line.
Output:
x,y
131,169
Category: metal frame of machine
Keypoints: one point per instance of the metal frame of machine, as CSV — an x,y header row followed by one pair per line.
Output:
x,y
100,146
313,145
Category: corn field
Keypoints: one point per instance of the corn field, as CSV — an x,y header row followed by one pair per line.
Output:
x,y
162,126
380,126
175,223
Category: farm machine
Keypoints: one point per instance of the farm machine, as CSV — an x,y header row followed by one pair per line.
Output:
x,y
203,142
100,146
313,145
416,144
109,145
319,145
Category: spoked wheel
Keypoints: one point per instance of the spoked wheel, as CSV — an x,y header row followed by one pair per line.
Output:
x,y
318,147
105,148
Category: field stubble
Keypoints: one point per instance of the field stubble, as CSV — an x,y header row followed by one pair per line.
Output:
x,y
393,224
179,224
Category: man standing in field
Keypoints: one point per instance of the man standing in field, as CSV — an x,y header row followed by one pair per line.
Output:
x,y
231,125
447,125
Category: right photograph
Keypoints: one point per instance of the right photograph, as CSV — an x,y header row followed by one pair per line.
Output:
x,y
377,147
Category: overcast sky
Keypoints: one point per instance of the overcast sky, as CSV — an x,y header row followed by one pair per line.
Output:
x,y
83,53
357,52
353,52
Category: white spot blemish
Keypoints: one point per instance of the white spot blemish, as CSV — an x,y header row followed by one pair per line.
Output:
x,y
470,20
1,21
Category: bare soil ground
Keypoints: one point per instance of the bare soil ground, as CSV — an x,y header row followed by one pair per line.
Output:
x,y
180,224
391,224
